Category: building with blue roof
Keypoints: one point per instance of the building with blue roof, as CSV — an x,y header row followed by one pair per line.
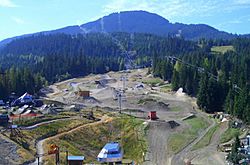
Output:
x,y
111,152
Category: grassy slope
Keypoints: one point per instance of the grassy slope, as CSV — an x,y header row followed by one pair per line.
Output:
x,y
29,137
179,140
35,120
205,141
222,49
175,109
166,88
229,134
89,140
152,81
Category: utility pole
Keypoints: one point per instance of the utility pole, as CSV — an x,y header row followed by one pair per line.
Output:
x,y
123,79
67,154
124,82
120,102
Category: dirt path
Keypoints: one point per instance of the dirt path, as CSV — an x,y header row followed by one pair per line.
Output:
x,y
157,137
39,145
46,122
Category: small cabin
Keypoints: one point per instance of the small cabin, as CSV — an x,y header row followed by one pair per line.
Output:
x,y
75,160
152,115
111,152
83,93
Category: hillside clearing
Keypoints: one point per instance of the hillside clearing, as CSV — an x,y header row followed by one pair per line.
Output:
x,y
222,49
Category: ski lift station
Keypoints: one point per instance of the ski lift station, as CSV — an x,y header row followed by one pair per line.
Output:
x,y
110,153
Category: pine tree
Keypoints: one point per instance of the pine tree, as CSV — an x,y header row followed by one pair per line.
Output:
x,y
234,156
175,81
203,92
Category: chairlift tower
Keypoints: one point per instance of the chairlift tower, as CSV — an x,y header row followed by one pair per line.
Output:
x,y
124,79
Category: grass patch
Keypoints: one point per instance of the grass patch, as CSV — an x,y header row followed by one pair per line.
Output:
x,y
153,81
166,88
24,154
175,109
205,141
143,101
178,141
57,103
35,120
222,49
229,134
88,141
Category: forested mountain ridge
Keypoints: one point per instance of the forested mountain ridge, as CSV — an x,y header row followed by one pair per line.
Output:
x,y
139,22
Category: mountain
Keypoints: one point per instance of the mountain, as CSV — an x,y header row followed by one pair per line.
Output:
x,y
139,22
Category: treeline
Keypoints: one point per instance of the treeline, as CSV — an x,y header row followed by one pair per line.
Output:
x,y
93,49
220,81
20,81
50,69
58,57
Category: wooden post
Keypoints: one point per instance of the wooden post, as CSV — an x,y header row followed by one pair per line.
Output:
x,y
58,157
67,154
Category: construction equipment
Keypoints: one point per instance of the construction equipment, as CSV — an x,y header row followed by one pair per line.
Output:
x,y
53,149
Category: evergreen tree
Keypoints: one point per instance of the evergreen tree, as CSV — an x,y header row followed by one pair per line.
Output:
x,y
202,101
234,156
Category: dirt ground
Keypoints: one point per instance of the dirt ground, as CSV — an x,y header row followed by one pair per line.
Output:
x,y
8,151
138,101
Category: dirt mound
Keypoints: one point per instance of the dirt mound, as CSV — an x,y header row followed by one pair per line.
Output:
x,y
173,124
154,105
163,105
160,125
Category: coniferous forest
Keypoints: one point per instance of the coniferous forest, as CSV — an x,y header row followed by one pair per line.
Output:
x,y
220,81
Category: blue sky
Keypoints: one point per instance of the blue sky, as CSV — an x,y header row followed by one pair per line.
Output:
x,y
27,16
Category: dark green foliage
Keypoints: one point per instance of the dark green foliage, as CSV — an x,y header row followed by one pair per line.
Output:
x,y
20,81
234,156
202,100
222,84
